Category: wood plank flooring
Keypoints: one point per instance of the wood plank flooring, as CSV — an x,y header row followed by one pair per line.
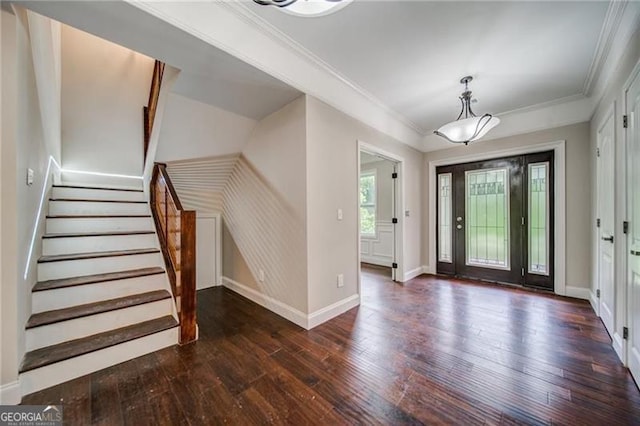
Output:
x,y
431,351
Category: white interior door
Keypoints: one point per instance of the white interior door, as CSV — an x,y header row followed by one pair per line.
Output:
x,y
606,202
633,202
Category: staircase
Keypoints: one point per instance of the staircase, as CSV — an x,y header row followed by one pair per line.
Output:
x,y
102,295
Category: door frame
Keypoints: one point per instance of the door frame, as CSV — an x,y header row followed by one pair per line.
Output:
x,y
559,211
399,206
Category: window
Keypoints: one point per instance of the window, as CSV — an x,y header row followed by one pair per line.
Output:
x,y
538,218
368,204
444,218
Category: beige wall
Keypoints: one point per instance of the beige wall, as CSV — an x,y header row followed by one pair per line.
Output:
x,y
578,176
264,210
104,87
332,184
192,129
23,147
614,96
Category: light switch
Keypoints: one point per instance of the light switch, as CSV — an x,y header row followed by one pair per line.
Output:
x,y
340,280
339,214
406,213
30,177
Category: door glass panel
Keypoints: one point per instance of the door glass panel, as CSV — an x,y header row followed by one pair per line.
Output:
x,y
538,188
444,218
487,218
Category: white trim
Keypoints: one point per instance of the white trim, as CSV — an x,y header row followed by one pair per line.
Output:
x,y
399,205
619,346
578,292
430,270
594,302
409,275
560,200
605,40
328,312
10,394
290,313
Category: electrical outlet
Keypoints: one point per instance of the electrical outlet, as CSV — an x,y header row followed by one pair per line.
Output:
x,y
261,276
340,280
30,174
407,213
339,214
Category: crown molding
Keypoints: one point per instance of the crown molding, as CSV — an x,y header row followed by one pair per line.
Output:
x,y
610,27
280,37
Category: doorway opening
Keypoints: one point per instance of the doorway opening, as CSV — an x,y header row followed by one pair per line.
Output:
x,y
495,220
379,212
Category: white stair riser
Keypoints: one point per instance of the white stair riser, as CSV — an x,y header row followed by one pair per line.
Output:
x,y
96,194
60,298
50,375
107,224
52,334
96,207
67,245
103,265
99,181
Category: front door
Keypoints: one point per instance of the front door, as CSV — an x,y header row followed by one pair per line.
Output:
x,y
633,188
495,221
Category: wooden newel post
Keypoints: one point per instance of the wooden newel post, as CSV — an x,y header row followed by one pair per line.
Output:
x,y
188,277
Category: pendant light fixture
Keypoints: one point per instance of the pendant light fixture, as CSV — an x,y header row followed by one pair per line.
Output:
x,y
307,8
467,127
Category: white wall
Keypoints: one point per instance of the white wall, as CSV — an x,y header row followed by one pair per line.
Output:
x,y
614,95
578,200
192,129
104,88
23,146
332,183
208,246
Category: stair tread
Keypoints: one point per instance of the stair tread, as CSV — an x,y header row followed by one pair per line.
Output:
x,y
98,188
96,234
51,317
73,348
95,255
97,278
85,200
94,216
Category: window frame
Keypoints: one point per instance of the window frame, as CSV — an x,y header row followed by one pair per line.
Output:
x,y
369,173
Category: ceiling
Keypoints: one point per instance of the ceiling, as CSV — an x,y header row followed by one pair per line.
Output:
x,y
208,74
411,54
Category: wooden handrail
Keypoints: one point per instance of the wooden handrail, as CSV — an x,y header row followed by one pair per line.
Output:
x,y
177,234
149,111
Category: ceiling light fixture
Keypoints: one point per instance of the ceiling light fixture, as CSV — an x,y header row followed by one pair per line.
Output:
x,y
468,128
306,7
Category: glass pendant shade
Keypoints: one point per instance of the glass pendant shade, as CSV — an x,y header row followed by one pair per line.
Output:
x,y
468,129
306,8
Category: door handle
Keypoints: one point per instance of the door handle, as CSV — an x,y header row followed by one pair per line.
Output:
x,y
610,239
458,226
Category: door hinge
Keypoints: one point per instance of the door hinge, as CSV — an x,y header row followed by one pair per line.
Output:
x,y
394,220
522,272
522,220
394,175
598,223
625,333
625,227
394,265
625,121
598,293
597,152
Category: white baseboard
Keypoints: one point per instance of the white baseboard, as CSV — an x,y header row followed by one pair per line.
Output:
x,y
594,302
578,292
325,314
618,346
426,269
373,260
292,314
409,275
10,394
276,306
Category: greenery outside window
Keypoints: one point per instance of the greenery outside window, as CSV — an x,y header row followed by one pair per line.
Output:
x,y
368,204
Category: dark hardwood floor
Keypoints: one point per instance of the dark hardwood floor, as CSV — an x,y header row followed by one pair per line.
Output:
x,y
431,351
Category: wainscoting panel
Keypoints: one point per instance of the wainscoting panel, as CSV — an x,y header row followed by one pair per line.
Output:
x,y
378,250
